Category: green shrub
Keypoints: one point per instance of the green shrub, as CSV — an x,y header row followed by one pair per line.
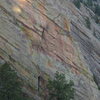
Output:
x,y
96,19
98,87
97,9
77,3
60,89
95,80
88,23
10,85
90,3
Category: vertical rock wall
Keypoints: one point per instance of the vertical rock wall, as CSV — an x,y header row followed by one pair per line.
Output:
x,y
40,37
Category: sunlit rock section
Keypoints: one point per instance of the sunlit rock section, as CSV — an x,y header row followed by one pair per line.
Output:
x,y
40,37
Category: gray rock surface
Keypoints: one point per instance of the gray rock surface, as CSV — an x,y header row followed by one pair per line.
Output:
x,y
40,37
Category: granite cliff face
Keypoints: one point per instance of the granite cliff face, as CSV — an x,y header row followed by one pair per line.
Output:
x,y
40,37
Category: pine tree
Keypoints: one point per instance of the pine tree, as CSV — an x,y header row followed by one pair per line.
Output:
x,y
60,89
10,85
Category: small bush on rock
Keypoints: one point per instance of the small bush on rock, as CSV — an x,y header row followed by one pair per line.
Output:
x,y
88,23
77,3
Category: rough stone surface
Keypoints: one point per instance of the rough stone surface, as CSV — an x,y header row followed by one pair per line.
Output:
x,y
40,37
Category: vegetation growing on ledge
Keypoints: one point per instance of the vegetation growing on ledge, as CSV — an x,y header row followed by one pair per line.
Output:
x,y
90,4
97,9
88,23
77,3
96,19
95,80
60,89
10,85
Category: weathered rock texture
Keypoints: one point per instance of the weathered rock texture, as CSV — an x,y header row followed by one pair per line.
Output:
x,y
40,37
